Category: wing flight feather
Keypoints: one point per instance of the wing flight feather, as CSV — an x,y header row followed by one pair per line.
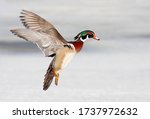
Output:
x,y
40,32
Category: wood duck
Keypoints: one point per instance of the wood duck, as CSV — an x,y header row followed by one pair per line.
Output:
x,y
51,43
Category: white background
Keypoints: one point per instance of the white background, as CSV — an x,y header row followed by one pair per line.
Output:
x,y
6,110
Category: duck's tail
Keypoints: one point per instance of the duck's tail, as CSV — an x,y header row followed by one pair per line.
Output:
x,y
49,76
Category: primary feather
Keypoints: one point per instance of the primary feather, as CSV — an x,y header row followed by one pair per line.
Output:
x,y
40,32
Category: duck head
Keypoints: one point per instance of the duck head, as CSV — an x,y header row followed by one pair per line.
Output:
x,y
86,34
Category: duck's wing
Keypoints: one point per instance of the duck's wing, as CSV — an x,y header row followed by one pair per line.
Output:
x,y
40,32
37,23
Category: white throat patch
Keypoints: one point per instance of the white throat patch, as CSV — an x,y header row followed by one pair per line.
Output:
x,y
83,40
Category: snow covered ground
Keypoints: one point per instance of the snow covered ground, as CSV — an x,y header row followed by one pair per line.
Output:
x,y
115,69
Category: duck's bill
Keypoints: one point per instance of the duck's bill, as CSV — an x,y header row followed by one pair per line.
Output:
x,y
96,38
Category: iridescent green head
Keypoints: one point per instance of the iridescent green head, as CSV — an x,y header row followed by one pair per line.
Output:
x,y
84,35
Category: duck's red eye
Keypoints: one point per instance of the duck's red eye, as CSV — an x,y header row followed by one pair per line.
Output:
x,y
91,35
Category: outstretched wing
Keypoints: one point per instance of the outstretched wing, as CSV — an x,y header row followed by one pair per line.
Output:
x,y
44,41
40,32
35,22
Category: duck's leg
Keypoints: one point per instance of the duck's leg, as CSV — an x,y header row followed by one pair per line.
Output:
x,y
56,77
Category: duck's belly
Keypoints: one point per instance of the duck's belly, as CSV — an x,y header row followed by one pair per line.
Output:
x,y
63,57
68,57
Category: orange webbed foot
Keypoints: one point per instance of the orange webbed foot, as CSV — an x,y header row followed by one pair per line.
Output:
x,y
56,77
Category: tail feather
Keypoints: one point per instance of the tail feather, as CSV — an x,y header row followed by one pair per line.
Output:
x,y
48,76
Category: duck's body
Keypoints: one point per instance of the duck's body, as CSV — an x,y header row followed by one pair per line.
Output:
x,y
50,41
63,57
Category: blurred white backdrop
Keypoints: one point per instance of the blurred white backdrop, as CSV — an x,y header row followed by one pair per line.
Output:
x,y
115,69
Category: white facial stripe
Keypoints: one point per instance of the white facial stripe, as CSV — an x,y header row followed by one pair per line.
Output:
x,y
83,40
87,37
